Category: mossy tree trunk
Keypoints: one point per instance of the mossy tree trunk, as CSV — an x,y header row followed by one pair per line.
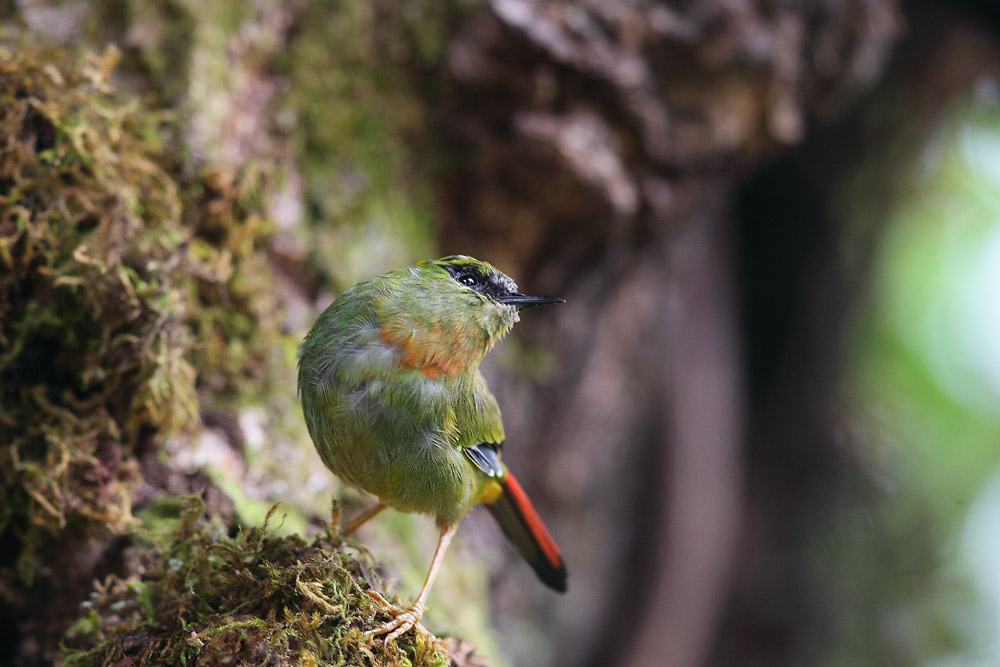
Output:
x,y
170,226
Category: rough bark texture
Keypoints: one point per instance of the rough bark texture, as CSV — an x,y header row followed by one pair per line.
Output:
x,y
602,144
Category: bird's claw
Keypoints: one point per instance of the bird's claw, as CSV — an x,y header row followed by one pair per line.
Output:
x,y
402,619
380,599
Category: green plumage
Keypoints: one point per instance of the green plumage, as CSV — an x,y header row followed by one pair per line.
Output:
x,y
379,419
396,405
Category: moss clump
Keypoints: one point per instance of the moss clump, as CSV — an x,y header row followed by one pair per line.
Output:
x,y
91,334
206,598
122,269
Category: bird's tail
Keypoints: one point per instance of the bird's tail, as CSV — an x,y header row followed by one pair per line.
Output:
x,y
521,523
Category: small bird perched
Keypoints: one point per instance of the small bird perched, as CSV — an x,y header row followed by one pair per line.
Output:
x,y
396,406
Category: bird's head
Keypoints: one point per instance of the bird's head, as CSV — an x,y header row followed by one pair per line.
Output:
x,y
477,293
452,310
486,283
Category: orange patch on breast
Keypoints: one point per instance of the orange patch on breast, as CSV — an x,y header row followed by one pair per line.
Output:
x,y
429,351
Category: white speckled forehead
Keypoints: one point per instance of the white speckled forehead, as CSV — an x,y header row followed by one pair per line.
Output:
x,y
491,281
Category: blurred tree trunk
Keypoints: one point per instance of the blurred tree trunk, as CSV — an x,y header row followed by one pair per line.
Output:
x,y
603,146
623,155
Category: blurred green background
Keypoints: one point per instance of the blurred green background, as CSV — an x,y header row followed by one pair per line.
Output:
x,y
922,400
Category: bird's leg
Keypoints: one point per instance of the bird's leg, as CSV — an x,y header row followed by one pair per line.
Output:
x,y
361,520
404,619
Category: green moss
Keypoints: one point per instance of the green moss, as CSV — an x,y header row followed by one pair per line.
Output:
x,y
251,511
235,317
135,291
89,321
362,132
121,272
256,598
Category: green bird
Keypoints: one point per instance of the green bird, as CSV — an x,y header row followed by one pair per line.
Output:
x,y
397,407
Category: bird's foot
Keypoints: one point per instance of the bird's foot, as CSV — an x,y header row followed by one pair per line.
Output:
x,y
402,619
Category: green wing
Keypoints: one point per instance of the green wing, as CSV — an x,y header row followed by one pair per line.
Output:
x,y
477,415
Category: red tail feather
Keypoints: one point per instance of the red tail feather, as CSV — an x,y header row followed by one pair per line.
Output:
x,y
521,523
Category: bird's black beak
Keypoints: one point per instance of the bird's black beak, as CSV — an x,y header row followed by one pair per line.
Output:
x,y
523,301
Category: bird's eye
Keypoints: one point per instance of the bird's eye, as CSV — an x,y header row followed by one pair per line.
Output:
x,y
467,280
